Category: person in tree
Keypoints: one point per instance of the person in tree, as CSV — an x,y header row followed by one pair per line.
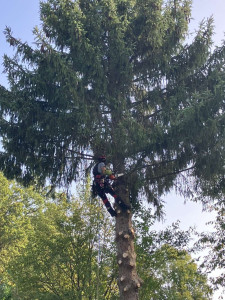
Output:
x,y
102,186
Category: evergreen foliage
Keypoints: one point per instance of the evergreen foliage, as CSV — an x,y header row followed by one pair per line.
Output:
x,y
116,77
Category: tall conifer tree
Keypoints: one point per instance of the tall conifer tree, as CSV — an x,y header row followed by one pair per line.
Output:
x,y
117,77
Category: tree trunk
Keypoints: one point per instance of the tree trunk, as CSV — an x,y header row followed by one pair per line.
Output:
x,y
128,280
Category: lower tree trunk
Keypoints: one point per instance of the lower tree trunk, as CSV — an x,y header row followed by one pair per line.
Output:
x,y
128,280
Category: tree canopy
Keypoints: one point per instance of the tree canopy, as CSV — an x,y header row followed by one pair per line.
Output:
x,y
65,249
116,77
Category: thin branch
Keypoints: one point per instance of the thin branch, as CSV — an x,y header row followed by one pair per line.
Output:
x,y
136,103
87,156
67,157
150,165
153,114
172,173
109,288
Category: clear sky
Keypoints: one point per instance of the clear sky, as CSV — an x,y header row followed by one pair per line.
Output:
x,y
23,15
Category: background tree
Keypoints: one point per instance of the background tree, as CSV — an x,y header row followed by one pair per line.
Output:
x,y
69,253
17,205
174,275
117,76
214,243
165,264
49,247
60,259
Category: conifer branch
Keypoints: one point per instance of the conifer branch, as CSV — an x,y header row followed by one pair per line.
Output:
x,y
138,167
172,173
88,156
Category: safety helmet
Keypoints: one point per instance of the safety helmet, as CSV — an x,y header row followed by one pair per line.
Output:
x,y
102,158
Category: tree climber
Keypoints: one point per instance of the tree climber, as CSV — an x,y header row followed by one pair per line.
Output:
x,y
101,185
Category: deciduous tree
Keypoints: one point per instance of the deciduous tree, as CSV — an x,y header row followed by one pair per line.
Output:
x,y
213,244
60,259
165,263
69,253
17,205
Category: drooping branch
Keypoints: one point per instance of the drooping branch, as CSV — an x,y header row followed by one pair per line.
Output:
x,y
172,173
82,155
159,163
138,167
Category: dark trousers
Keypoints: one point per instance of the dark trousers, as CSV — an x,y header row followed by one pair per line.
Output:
x,y
102,189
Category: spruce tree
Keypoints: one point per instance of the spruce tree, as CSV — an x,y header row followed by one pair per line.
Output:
x,y
117,77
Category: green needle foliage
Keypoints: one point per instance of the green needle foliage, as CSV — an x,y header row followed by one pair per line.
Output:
x,y
116,77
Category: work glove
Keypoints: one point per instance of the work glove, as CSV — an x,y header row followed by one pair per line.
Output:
x,y
112,177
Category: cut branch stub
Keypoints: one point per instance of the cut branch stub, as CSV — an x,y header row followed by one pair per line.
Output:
x,y
126,288
131,231
126,236
131,263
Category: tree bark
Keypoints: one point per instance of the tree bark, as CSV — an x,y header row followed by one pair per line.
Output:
x,y
128,279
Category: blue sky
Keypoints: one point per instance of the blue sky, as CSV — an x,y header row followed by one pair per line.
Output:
x,y
23,15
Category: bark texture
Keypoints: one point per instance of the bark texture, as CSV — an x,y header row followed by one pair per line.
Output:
x,y
128,279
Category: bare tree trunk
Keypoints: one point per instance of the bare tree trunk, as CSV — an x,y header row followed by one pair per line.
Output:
x,y
128,280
